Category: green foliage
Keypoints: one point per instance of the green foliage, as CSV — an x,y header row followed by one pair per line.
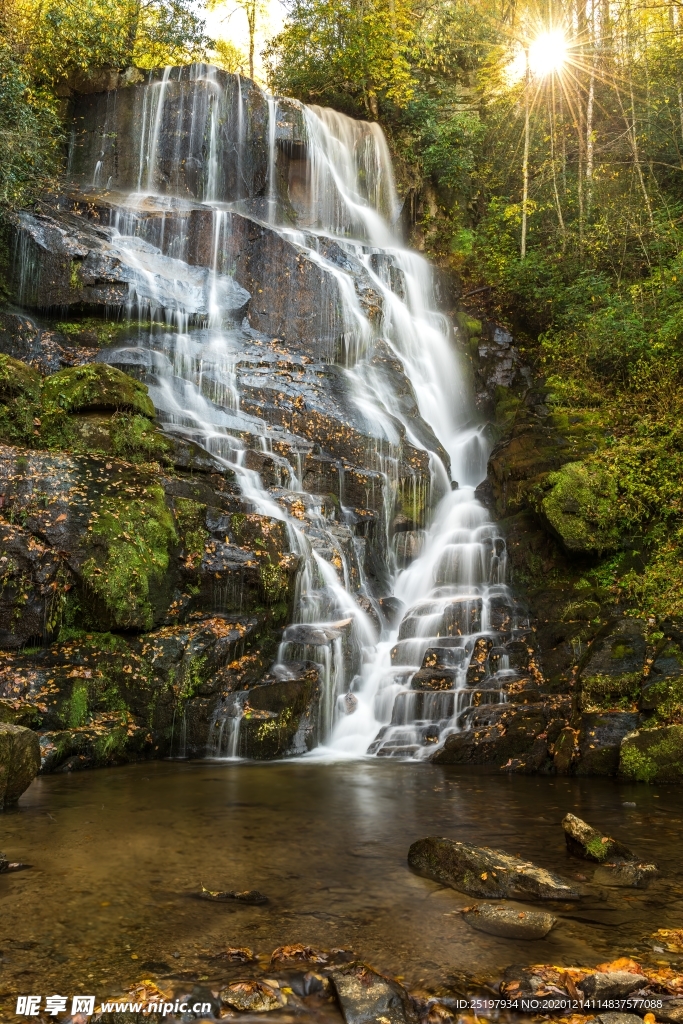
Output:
x,y
30,132
345,54
653,755
131,536
68,39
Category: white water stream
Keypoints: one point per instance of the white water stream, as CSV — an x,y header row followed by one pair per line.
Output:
x,y
455,608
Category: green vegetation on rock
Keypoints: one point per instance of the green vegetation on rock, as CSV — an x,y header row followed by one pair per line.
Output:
x,y
94,388
132,535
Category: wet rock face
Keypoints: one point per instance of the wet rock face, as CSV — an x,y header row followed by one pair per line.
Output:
x,y
280,714
100,699
19,761
480,871
110,129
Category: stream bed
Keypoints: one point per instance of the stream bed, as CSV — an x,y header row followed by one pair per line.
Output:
x,y
119,855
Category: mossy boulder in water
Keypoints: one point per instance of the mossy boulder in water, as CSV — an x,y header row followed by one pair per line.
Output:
x,y
19,761
585,841
95,388
653,755
580,509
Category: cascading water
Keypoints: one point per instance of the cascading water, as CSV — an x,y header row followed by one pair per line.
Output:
x,y
401,691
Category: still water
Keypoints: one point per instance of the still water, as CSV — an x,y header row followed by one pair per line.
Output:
x,y
118,856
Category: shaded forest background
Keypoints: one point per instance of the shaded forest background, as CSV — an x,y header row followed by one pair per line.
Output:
x,y
554,191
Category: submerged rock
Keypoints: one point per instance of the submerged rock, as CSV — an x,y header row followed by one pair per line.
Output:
x,y
366,997
298,953
508,923
481,871
629,875
19,761
252,996
585,841
247,896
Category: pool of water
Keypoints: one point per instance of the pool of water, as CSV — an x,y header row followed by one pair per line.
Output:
x,y
118,856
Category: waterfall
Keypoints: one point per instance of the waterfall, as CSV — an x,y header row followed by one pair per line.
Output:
x,y
402,690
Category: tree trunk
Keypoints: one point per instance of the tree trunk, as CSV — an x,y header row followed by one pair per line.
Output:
x,y
525,158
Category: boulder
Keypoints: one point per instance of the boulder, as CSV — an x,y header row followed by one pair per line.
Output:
x,y
585,841
611,985
481,871
580,509
507,923
19,761
653,755
366,997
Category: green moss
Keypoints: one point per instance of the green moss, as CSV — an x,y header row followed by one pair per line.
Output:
x,y
132,538
412,501
237,523
19,401
581,508
273,579
653,755
190,519
78,706
95,387
136,440
104,332
597,849
637,766
602,692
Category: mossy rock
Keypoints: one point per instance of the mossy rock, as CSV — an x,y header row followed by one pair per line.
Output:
x,y
19,761
653,755
125,435
19,401
580,508
16,378
132,534
96,388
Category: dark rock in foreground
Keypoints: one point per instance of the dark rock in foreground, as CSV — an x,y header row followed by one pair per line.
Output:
x,y
480,871
611,985
366,997
254,996
19,761
508,923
